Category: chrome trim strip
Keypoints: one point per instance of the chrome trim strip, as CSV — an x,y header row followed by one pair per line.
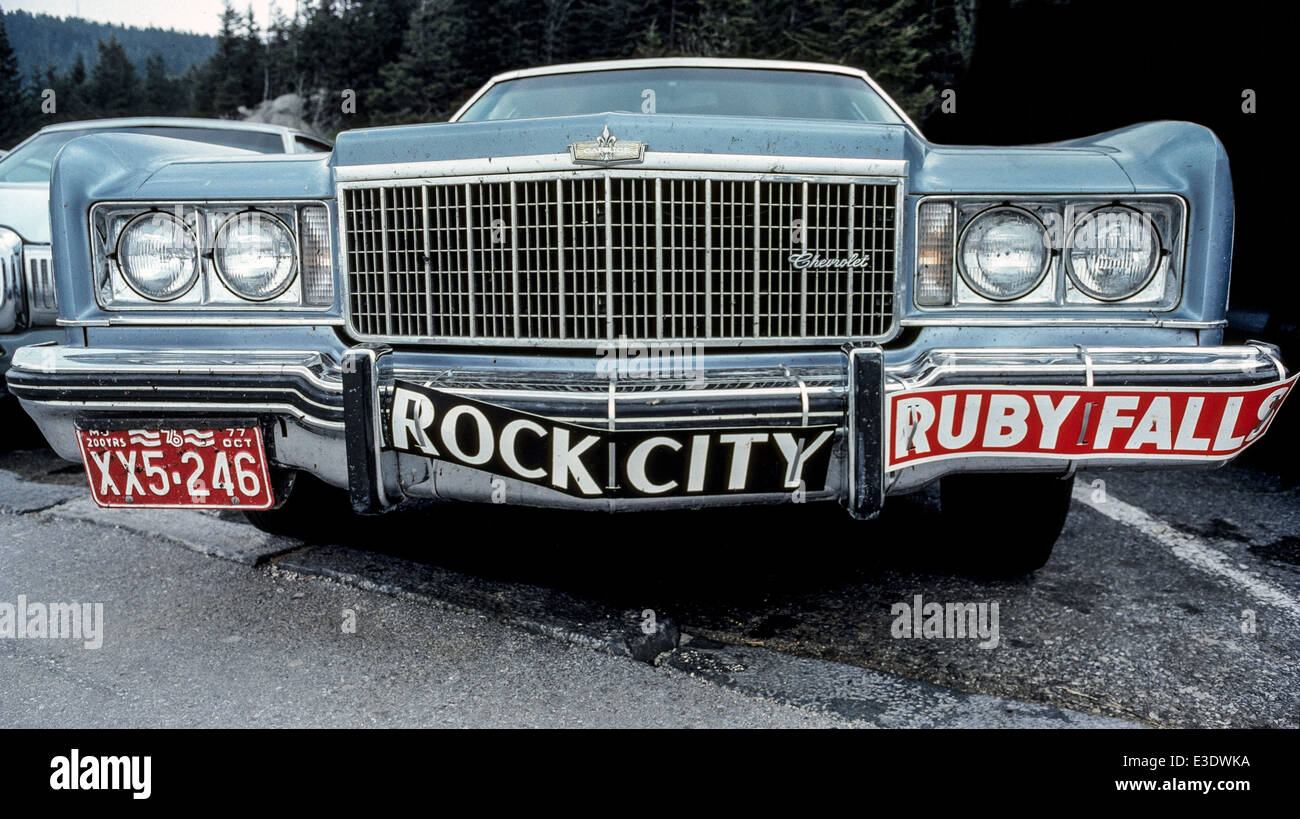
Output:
x,y
637,397
705,419
383,250
185,406
168,388
197,319
323,372
51,358
848,301
514,251
609,257
655,161
708,261
560,272
1061,321
659,257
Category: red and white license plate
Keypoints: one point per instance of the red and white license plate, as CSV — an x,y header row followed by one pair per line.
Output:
x,y
177,468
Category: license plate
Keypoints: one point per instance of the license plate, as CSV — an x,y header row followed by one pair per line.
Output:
x,y
177,468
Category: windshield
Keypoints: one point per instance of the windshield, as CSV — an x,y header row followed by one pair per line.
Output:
x,y
736,92
32,161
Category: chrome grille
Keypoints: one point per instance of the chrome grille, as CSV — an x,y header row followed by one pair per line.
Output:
x,y
42,305
591,256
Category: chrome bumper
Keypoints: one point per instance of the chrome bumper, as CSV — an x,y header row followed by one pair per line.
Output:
x,y
11,343
325,415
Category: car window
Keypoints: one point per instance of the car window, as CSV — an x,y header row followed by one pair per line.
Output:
x,y
307,145
32,161
737,92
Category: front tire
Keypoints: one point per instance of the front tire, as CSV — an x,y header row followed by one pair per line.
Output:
x,y
312,510
1018,516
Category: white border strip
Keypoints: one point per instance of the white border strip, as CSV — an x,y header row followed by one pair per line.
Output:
x,y
1189,549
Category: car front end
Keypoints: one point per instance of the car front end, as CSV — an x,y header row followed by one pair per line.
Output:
x,y
631,311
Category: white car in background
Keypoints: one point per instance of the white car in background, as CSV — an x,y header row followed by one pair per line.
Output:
x,y
28,308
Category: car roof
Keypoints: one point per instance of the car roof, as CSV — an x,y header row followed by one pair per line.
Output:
x,y
677,62
173,122
689,62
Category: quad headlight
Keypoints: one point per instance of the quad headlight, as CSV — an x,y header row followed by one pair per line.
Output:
x,y
255,255
1113,252
1048,253
258,256
1004,253
159,256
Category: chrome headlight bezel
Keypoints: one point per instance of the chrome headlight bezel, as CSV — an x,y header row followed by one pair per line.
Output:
x,y
311,288
946,289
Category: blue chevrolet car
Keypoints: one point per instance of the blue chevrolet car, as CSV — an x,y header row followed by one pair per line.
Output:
x,y
647,284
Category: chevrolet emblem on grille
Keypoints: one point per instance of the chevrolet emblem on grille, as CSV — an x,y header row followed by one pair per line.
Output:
x,y
606,149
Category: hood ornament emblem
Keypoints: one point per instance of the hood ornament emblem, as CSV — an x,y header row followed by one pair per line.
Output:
x,y
606,149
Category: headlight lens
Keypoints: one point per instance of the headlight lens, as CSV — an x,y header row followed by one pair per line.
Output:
x,y
1113,253
159,256
1004,253
255,255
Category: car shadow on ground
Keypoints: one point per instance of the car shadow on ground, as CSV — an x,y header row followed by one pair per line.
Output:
x,y
17,429
732,556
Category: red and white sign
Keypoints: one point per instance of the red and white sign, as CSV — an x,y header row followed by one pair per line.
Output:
x,y
177,468
1077,423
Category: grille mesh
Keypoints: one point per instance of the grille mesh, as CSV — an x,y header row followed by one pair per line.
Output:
x,y
596,256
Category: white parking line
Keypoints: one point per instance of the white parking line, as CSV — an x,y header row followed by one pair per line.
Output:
x,y
1188,548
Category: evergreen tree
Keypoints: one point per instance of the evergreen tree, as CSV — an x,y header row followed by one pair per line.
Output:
x,y
282,54
113,90
323,33
374,34
223,83
250,66
432,67
162,92
16,118
78,75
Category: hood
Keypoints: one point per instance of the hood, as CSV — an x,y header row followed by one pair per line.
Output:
x,y
1079,166
677,133
25,208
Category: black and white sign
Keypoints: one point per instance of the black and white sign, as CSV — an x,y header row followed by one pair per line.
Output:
x,y
578,460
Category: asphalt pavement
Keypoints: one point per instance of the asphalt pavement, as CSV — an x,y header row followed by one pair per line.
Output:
x,y
1171,600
